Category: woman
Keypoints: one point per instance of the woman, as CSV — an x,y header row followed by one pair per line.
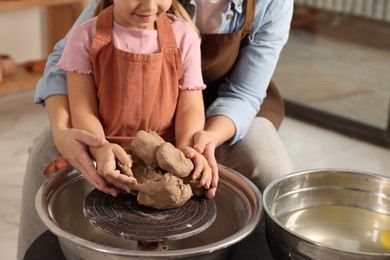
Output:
x,y
239,54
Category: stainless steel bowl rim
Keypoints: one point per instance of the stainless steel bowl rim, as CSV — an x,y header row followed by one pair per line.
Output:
x,y
313,171
206,249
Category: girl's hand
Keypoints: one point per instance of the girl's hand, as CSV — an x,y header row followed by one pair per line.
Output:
x,y
73,144
202,170
204,144
106,157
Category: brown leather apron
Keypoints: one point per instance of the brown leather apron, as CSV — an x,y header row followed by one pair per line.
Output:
x,y
135,91
219,54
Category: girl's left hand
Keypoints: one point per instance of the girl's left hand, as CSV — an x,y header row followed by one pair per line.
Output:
x,y
202,171
204,144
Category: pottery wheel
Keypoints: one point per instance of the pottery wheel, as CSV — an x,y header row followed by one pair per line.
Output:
x,y
123,217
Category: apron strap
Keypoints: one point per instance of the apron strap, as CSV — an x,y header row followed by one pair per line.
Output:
x,y
168,42
249,16
165,33
103,35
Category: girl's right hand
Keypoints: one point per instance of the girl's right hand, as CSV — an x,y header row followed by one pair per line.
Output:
x,y
73,144
106,157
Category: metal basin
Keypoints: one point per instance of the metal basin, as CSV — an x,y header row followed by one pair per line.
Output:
x,y
59,203
328,214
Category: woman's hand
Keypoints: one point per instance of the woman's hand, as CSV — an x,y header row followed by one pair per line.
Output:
x,y
73,144
106,157
204,144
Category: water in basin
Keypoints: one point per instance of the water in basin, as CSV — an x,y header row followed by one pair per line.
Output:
x,y
341,227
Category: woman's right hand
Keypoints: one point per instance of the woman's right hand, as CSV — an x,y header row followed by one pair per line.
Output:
x,y
73,144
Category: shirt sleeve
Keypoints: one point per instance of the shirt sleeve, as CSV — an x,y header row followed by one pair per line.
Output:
x,y
75,57
53,81
244,89
190,46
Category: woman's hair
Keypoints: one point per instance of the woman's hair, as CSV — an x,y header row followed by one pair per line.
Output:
x,y
176,8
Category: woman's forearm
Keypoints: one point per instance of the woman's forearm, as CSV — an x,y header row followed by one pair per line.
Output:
x,y
57,109
221,128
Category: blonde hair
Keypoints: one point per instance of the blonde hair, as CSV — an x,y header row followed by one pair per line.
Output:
x,y
176,9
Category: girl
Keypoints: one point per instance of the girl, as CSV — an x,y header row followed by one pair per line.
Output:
x,y
135,67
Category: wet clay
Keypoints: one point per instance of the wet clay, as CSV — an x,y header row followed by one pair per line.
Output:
x,y
144,147
173,160
159,168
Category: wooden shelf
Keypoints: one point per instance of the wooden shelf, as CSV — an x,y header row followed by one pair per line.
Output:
x,y
21,80
9,5
60,16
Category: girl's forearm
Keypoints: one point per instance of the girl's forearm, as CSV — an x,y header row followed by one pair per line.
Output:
x,y
189,118
89,123
58,111
187,124
83,104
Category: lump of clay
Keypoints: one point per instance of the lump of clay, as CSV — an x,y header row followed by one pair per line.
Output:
x,y
145,145
173,160
196,187
162,191
159,168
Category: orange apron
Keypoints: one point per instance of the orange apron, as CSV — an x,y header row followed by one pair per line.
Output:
x,y
135,91
219,54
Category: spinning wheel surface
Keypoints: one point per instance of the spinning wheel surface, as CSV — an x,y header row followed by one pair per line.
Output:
x,y
122,216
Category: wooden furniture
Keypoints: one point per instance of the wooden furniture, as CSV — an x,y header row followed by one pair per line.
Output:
x,y
60,16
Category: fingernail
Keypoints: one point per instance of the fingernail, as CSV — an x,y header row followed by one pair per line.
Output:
x,y
131,182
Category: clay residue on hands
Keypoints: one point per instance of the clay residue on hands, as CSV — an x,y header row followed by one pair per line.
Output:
x,y
159,168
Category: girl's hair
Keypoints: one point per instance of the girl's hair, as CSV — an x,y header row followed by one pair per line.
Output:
x,y
176,8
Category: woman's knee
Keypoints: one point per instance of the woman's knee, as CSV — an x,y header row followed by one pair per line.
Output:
x,y
260,156
42,152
